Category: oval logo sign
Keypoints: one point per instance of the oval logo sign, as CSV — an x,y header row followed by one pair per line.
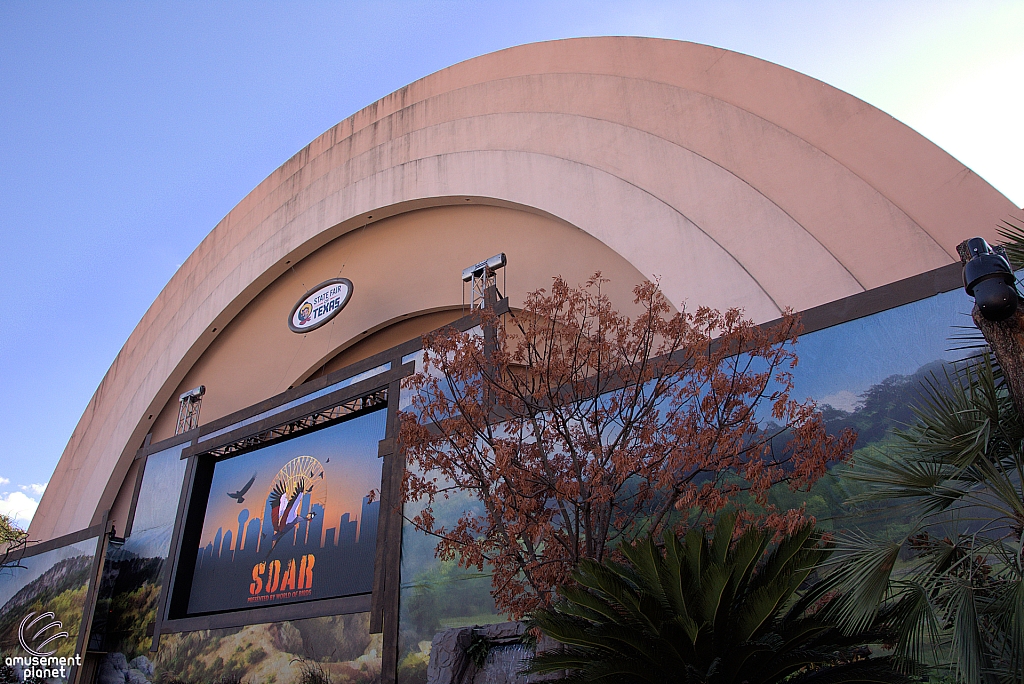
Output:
x,y
320,305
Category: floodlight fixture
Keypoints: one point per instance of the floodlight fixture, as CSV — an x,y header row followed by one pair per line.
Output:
x,y
989,278
193,393
484,268
188,409
481,276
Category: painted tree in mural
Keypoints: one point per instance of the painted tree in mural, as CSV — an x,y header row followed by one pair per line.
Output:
x,y
577,428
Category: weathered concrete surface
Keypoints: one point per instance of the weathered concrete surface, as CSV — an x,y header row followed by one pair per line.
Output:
x,y
736,181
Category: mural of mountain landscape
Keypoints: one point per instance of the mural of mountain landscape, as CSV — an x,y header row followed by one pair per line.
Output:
x,y
55,581
875,413
340,647
437,595
866,375
127,601
129,590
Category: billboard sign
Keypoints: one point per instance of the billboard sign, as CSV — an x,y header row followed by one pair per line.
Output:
x,y
291,521
43,598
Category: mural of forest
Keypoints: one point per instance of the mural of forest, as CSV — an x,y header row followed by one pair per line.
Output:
x,y
340,647
128,598
129,590
883,407
55,581
866,374
439,595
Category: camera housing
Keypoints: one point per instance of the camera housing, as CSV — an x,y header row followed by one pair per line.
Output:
x,y
990,280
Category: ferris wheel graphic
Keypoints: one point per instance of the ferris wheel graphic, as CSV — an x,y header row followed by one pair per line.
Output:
x,y
298,493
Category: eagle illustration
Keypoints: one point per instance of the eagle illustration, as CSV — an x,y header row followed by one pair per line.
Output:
x,y
279,518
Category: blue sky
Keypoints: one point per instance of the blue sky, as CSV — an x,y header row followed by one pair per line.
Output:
x,y
127,130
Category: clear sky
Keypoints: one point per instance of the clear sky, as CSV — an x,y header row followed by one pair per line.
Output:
x,y
128,129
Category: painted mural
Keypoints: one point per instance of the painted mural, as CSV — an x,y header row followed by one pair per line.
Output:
x,y
865,374
339,649
42,600
132,578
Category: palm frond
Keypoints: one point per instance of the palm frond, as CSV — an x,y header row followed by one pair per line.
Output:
x,y
931,483
966,641
860,570
917,624
876,670
1013,236
1008,606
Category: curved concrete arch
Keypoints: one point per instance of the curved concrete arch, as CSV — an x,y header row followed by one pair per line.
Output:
x,y
932,186
401,267
381,337
685,255
719,203
834,169
828,199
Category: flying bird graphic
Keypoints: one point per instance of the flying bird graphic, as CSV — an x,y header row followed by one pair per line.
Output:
x,y
279,518
239,496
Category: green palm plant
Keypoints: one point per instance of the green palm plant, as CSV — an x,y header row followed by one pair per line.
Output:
x,y
1012,231
712,611
954,586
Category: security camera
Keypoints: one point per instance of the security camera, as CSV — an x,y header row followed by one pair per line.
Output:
x,y
990,280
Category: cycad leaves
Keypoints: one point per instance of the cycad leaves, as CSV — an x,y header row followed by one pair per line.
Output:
x,y
699,611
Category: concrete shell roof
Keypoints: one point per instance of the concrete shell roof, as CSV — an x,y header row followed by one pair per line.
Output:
x,y
736,181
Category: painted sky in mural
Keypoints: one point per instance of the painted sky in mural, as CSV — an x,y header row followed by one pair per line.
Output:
x,y
839,363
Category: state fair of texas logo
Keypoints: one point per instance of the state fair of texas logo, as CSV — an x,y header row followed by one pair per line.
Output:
x,y
320,305
305,313
31,631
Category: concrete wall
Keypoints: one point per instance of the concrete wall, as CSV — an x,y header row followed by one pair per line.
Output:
x,y
736,181
407,265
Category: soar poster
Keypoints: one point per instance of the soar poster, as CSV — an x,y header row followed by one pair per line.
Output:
x,y
291,521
